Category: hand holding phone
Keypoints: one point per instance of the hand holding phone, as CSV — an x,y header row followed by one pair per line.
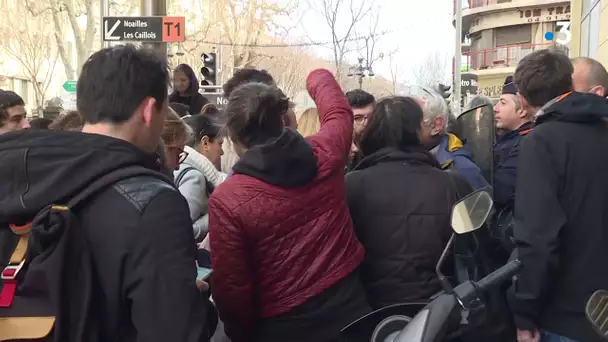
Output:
x,y
203,273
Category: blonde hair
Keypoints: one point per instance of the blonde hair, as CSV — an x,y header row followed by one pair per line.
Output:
x,y
175,131
308,122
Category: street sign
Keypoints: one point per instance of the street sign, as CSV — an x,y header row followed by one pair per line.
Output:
x,y
144,29
217,99
70,86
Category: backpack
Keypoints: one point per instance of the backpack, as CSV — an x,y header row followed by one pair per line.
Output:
x,y
43,297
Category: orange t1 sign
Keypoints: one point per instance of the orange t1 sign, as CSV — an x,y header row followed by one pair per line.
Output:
x,y
144,29
174,29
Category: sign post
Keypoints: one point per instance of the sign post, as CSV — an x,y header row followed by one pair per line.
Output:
x,y
216,99
70,86
144,29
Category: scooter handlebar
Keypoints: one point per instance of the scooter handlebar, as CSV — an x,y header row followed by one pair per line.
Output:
x,y
500,275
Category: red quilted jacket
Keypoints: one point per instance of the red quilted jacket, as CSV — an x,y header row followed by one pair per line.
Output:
x,y
280,228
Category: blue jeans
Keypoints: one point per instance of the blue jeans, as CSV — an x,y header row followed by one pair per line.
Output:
x,y
546,336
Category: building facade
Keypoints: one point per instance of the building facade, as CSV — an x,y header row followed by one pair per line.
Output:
x,y
590,29
499,33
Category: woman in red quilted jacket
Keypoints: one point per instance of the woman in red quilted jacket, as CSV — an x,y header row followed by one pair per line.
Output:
x,y
283,247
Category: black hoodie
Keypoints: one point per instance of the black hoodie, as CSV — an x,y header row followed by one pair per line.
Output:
x,y
561,225
138,231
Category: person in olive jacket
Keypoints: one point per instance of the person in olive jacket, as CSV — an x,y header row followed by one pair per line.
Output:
x,y
400,202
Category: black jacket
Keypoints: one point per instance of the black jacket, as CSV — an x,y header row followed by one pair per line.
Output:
x,y
400,203
561,227
195,102
139,231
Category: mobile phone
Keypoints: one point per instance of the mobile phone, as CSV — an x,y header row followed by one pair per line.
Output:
x,y
203,273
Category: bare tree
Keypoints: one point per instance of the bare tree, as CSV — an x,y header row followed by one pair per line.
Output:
x,y
433,69
394,68
245,24
32,47
69,11
342,32
366,43
290,67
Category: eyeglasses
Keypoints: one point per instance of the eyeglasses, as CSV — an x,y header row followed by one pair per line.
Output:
x,y
360,119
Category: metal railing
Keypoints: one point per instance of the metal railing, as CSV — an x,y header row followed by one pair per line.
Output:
x,y
502,56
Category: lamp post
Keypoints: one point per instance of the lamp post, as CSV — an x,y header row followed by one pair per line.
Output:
x,y
361,70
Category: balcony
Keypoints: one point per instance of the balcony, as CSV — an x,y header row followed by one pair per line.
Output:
x,y
467,4
472,9
499,57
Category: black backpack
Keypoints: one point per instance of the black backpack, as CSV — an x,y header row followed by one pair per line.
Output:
x,y
47,279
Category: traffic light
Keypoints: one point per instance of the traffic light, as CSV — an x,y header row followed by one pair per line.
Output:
x,y
209,69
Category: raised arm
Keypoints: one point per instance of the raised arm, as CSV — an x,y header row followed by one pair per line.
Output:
x,y
336,116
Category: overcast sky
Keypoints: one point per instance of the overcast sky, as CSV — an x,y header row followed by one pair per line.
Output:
x,y
416,29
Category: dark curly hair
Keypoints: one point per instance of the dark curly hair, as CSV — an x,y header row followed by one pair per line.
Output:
x,y
244,76
359,98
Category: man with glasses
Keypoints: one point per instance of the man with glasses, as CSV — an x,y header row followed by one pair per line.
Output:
x,y
589,76
12,112
362,104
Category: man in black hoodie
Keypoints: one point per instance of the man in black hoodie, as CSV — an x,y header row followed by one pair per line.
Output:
x,y
138,231
560,203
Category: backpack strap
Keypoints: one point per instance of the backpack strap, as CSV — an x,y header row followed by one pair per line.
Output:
x,y
182,174
17,258
15,263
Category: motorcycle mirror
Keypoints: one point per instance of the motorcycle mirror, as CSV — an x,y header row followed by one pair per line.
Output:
x,y
470,213
597,312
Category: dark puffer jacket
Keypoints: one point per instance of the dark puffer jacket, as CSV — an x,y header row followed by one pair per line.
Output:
x,y
400,202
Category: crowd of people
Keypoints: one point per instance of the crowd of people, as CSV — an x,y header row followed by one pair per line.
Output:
x,y
308,222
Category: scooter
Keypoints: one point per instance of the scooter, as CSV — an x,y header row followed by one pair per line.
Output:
x,y
446,316
597,312
443,318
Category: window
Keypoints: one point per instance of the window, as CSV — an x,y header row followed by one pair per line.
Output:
x,y
590,28
10,84
513,35
587,5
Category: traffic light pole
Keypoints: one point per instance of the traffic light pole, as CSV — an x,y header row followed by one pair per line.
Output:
x,y
457,58
155,8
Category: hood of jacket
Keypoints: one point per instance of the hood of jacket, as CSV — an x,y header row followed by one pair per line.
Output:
x,y
39,168
287,161
574,107
390,154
